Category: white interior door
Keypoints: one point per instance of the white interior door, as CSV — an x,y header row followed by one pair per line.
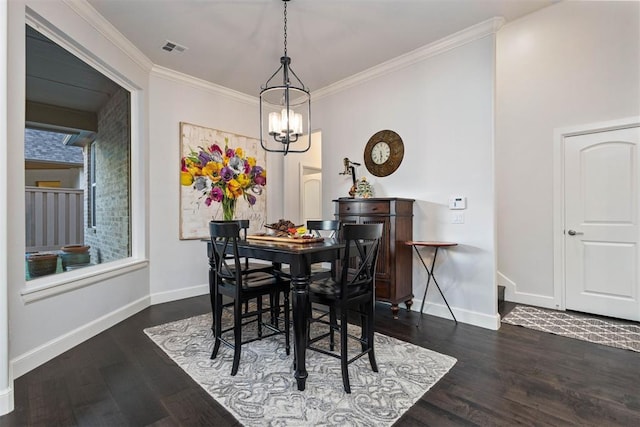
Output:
x,y
311,194
601,223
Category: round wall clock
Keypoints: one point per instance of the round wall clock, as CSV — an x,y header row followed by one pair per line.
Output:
x,y
383,153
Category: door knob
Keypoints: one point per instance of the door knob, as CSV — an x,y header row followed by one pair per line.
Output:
x,y
573,232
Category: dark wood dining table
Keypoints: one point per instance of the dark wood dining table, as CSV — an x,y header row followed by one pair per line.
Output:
x,y
299,257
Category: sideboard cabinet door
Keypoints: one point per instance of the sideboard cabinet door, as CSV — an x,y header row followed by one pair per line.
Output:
x,y
395,263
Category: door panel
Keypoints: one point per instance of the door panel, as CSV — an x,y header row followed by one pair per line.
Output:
x,y
614,275
383,269
310,194
601,223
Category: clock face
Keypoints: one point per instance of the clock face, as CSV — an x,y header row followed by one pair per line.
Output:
x,y
380,153
383,153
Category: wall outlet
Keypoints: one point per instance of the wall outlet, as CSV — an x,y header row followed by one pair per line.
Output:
x,y
457,217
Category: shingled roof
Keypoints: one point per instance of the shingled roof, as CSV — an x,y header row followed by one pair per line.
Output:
x,y
46,146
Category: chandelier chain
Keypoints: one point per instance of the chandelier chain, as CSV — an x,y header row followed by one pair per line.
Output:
x,y
285,28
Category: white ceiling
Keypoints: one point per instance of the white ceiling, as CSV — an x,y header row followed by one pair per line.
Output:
x,y
238,43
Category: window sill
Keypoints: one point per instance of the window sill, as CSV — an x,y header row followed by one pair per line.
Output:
x,y
49,286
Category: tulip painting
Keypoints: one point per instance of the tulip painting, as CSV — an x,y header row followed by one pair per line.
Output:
x,y
219,171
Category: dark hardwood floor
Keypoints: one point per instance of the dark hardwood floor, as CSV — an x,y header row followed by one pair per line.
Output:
x,y
509,377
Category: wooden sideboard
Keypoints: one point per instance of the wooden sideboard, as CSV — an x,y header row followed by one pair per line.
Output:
x,y
394,271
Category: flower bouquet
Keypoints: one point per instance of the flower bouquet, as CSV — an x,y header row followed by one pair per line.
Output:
x,y
223,176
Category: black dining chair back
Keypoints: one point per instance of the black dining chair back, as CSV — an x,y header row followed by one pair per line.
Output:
x,y
247,265
322,228
232,282
353,289
316,226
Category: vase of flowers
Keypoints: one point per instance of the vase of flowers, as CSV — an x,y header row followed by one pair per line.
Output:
x,y
223,176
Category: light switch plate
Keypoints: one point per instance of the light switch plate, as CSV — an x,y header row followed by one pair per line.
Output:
x,y
457,217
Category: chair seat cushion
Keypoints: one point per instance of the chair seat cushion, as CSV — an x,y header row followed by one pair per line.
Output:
x,y
329,288
256,266
255,279
258,279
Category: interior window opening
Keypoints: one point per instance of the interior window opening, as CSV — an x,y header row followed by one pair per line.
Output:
x,y
77,151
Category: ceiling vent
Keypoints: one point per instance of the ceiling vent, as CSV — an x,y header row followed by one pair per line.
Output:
x,y
170,46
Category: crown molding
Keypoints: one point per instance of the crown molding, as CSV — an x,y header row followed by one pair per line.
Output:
x,y
475,32
106,29
197,83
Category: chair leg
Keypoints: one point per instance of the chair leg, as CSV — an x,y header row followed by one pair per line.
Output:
x,y
332,321
259,306
344,356
371,329
274,297
237,337
212,298
287,323
364,316
217,324
309,313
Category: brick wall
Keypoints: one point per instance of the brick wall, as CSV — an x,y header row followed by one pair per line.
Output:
x,y
110,240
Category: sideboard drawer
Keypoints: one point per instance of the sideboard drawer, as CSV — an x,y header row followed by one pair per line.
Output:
x,y
374,208
349,208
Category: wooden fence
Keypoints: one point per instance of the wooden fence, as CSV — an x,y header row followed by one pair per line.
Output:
x,y
54,218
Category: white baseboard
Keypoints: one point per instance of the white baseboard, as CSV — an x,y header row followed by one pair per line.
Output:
x,y
482,320
178,294
533,299
47,351
509,285
513,295
6,401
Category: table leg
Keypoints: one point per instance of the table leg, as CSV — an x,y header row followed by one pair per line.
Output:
x,y
431,276
444,299
300,300
433,263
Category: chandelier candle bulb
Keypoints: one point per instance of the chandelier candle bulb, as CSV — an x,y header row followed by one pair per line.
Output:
x,y
287,121
298,124
274,123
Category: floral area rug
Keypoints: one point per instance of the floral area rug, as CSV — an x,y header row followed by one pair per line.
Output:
x,y
264,391
620,334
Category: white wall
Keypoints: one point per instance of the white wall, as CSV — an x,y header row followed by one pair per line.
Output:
x,y
6,387
442,107
570,64
179,267
291,174
43,328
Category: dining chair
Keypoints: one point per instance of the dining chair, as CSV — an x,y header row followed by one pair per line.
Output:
x,y
316,226
231,282
331,229
353,289
247,266
250,266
